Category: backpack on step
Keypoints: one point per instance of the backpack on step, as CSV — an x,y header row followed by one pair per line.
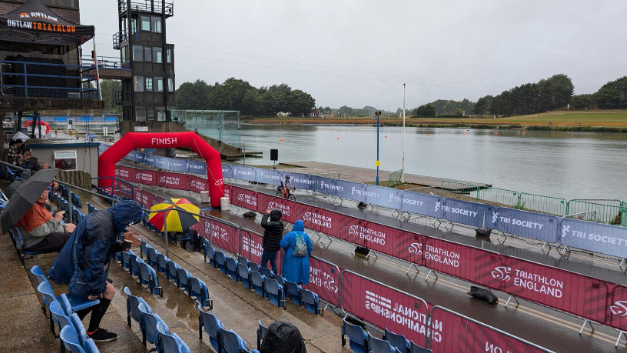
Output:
x,y
300,249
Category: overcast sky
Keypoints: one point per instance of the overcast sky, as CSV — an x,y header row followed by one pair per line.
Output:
x,y
359,52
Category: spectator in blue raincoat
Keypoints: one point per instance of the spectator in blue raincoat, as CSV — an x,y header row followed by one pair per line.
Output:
x,y
296,268
86,264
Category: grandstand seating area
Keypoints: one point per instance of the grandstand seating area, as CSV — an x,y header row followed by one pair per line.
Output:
x,y
64,323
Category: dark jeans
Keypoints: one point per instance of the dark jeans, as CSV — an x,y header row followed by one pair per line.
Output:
x,y
53,242
269,256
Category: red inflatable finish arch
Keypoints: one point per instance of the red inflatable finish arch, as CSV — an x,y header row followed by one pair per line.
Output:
x,y
133,140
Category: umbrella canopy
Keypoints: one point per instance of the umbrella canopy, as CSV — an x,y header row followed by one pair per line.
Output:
x,y
33,22
10,190
25,197
176,221
20,135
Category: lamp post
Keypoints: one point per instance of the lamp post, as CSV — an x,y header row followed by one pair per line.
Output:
x,y
378,162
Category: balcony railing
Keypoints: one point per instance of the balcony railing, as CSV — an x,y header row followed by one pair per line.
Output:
x,y
118,39
153,6
105,62
19,79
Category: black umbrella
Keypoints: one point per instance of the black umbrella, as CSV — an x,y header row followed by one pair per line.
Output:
x,y
10,190
25,197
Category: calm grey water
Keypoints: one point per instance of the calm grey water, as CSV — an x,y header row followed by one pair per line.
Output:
x,y
562,164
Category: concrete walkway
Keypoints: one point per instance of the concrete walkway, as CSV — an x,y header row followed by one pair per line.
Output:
x,y
367,175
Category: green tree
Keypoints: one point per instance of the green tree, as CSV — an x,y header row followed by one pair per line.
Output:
x,y
346,110
108,88
459,112
613,95
230,95
483,105
555,92
193,95
426,110
301,103
582,101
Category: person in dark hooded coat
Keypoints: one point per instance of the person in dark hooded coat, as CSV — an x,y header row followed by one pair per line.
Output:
x,y
283,337
84,261
271,238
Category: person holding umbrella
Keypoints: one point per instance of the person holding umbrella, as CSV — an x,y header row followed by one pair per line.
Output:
x,y
27,209
174,220
42,232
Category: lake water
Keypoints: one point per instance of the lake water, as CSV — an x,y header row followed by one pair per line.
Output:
x,y
556,163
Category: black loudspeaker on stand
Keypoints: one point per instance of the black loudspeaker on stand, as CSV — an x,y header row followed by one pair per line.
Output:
x,y
274,156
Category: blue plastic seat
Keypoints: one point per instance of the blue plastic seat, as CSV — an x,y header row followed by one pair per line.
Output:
x,y
162,262
242,260
150,333
48,298
182,279
134,263
210,324
19,245
58,316
258,283
41,278
414,348
243,273
397,341
280,279
254,267
199,291
311,301
126,259
220,259
261,333
266,272
358,339
148,275
143,248
73,304
292,291
132,307
210,253
380,346
274,292
152,256
69,338
80,329
171,268
230,342
171,343
231,268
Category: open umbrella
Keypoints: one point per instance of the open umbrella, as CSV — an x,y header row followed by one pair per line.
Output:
x,y
176,221
20,135
25,197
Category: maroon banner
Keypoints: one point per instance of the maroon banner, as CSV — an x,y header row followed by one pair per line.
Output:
x,y
197,184
146,177
138,196
149,199
385,307
288,208
571,292
222,235
243,198
617,308
324,280
455,333
124,173
320,220
174,181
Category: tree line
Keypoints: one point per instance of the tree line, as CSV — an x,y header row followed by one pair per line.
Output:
x,y
555,92
235,94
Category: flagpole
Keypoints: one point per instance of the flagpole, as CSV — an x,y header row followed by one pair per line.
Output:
x,y
403,140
